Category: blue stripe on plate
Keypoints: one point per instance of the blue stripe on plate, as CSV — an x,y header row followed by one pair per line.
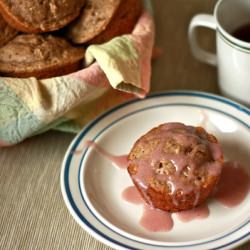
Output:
x,y
94,122
75,208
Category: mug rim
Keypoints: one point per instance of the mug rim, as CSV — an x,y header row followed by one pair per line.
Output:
x,y
231,39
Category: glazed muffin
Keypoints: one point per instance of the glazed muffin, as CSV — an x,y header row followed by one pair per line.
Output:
x,y
175,167
6,32
123,21
94,18
40,56
35,16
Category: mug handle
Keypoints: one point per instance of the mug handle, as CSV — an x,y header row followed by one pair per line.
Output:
x,y
201,20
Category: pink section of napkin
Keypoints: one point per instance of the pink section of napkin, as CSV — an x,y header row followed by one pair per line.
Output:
x,y
93,75
143,38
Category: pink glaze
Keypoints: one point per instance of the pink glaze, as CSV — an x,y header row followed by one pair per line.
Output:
x,y
231,190
185,136
234,184
119,161
204,119
216,150
200,212
132,195
156,220
214,168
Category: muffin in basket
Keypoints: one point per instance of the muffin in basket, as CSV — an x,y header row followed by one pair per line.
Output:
x,y
6,32
35,16
175,167
40,56
94,18
101,21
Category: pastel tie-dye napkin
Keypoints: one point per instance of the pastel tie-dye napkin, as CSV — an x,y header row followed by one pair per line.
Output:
x,y
118,70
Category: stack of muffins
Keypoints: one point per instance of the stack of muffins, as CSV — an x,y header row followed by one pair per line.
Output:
x,y
47,38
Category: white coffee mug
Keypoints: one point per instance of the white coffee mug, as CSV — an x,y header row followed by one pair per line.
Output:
x,y
233,55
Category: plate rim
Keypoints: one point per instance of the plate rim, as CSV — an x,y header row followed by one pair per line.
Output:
x,y
80,136
100,218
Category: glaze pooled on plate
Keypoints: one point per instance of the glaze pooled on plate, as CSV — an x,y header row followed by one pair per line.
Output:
x,y
227,192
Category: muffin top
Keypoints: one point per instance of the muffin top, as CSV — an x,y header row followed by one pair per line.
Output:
x,y
176,159
7,32
94,18
122,22
32,52
40,16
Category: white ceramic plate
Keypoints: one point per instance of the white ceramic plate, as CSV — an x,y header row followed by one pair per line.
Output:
x,y
92,187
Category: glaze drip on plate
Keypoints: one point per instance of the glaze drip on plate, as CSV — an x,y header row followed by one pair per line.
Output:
x,y
156,220
231,190
119,161
200,212
234,184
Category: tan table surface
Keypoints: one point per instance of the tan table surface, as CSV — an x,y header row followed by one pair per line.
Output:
x,y
32,211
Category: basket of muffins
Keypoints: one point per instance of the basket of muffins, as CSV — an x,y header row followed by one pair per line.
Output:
x,y
45,39
63,63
